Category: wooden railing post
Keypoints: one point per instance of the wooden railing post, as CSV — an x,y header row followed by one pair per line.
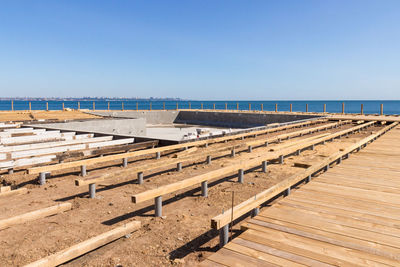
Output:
x,y
262,107
122,106
108,105
150,106
137,105
362,109
213,106
276,107
324,108
249,106
381,109
226,106
342,107
47,106
94,105
291,107
12,105
237,105
306,107
30,106
177,106
201,105
79,105
163,105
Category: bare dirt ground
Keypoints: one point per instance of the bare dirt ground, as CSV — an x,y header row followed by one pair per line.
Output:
x,y
182,237
44,115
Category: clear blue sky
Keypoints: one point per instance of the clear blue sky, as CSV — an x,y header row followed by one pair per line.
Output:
x,y
201,49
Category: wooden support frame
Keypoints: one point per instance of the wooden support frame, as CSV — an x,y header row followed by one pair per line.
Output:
x,y
34,215
260,198
19,191
248,164
93,161
86,246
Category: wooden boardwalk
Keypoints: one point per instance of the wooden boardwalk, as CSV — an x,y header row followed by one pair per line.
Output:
x,y
348,216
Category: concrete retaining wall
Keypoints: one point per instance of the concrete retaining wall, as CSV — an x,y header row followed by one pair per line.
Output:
x,y
151,116
236,120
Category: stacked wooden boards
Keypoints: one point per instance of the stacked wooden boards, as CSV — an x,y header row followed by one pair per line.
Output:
x,y
348,216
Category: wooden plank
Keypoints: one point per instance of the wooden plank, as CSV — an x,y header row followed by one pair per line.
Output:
x,y
313,249
234,246
231,258
86,246
55,144
150,194
34,215
111,143
19,191
362,250
5,189
147,151
291,257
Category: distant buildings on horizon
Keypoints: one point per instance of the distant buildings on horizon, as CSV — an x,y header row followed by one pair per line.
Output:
x,y
89,98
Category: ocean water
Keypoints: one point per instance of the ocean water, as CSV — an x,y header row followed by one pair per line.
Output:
x,y
353,106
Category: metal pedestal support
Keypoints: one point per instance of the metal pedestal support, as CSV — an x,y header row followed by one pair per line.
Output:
x,y
223,235
208,160
83,170
179,166
264,166
204,189
240,176
140,177
158,206
92,190
125,162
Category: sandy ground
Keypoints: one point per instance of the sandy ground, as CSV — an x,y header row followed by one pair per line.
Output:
x,y
44,115
182,237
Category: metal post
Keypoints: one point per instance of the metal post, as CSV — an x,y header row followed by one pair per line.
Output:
x,y
204,189
233,152
158,206
122,105
250,149
326,167
208,160
324,108
83,170
12,105
281,159
179,166
266,143
62,105
264,166
94,105
125,162
308,179
42,178
158,155
223,235
298,152
10,171
287,192
92,190
79,105
177,106
312,147
30,106
150,105
339,160
140,177
255,212
240,176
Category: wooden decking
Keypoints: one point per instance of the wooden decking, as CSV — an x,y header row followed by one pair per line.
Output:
x,y
348,216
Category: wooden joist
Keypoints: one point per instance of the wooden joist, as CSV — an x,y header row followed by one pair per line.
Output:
x,y
244,164
49,136
260,198
87,162
34,215
19,191
87,139
86,246
169,162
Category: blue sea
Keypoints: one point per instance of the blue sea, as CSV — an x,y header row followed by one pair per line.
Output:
x,y
370,106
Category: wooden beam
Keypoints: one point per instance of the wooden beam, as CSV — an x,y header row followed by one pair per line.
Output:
x,y
260,198
55,144
88,162
34,215
5,189
86,246
19,191
169,162
244,164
